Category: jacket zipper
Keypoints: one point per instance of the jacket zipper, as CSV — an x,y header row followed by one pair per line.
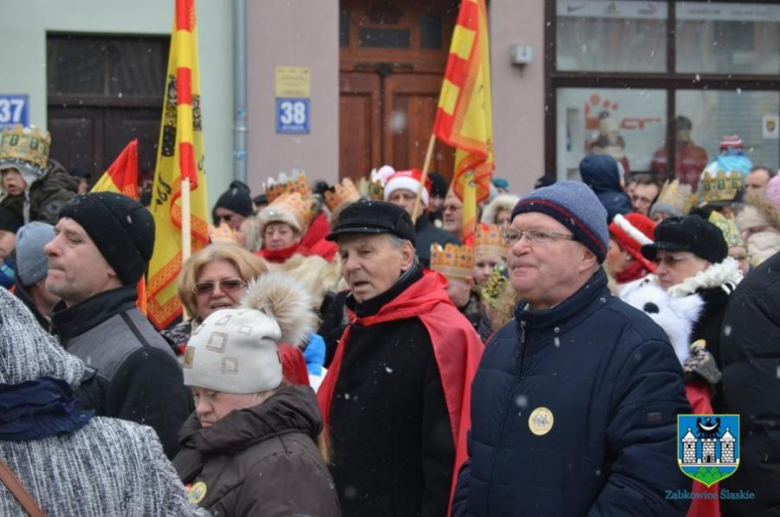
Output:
x,y
508,410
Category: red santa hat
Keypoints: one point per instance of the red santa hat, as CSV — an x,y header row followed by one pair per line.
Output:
x,y
408,180
631,232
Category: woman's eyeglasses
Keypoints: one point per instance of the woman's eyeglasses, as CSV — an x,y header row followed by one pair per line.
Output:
x,y
228,285
670,260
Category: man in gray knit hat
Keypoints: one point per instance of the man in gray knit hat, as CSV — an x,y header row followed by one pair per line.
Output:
x,y
32,267
574,404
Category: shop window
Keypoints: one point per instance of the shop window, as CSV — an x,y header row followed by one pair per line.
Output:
x,y
623,36
728,38
715,113
629,125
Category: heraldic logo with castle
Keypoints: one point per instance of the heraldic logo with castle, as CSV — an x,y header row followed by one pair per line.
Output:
x,y
708,446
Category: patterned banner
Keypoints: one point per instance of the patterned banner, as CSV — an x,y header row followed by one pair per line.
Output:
x,y
179,155
464,114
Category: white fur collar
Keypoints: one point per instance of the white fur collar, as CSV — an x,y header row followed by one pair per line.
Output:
x,y
717,275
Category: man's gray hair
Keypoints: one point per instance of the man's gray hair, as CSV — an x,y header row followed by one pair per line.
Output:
x,y
399,243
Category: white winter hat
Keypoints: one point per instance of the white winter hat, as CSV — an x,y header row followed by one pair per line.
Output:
x,y
235,350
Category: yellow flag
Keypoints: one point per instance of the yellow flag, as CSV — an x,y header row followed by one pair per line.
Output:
x,y
464,117
179,154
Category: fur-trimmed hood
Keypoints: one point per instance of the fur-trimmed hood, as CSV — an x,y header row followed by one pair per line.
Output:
x,y
500,202
764,208
725,275
676,316
287,301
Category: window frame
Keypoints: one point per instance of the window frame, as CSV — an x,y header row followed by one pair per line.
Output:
x,y
670,81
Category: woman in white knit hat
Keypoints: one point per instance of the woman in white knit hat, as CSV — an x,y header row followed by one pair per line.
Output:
x,y
254,445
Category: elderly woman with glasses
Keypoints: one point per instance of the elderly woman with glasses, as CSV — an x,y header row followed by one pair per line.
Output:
x,y
214,278
691,258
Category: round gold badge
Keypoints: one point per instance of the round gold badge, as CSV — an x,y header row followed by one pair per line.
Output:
x,y
541,421
197,492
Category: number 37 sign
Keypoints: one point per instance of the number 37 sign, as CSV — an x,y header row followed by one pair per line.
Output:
x,y
14,109
292,115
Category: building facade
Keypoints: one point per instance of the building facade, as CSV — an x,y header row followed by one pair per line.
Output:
x,y
338,87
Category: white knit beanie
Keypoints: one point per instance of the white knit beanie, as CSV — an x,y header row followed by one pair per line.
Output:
x,y
235,350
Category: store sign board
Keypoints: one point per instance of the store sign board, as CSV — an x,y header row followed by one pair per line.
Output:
x,y
617,9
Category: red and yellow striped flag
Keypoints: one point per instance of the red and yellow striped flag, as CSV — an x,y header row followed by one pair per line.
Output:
x,y
122,178
464,117
179,155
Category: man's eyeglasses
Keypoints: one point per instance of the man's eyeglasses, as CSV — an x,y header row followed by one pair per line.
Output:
x,y
511,237
219,218
228,285
670,260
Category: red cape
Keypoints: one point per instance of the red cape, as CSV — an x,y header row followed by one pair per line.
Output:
x,y
456,346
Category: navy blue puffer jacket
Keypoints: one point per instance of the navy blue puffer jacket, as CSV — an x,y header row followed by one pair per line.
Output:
x,y
600,173
609,377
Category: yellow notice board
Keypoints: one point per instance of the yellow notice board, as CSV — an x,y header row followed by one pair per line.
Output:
x,y
293,82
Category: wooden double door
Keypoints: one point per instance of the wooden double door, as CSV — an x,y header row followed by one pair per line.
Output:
x,y
393,56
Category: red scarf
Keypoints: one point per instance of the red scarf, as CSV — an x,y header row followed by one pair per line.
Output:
x,y
633,272
456,346
279,256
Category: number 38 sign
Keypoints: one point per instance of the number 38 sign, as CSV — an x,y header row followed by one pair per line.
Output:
x,y
14,109
292,115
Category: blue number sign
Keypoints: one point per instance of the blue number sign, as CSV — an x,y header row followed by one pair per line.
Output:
x,y
292,115
14,109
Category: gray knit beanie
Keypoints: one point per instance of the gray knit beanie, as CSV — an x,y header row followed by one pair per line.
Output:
x,y
31,262
575,206
27,352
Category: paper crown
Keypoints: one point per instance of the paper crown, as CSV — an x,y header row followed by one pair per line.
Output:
x,y
340,194
296,182
373,190
728,227
719,187
452,260
290,208
677,195
29,144
494,287
488,240
222,233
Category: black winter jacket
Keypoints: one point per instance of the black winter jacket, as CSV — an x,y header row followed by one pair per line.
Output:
x,y
136,376
601,385
260,461
750,351
427,235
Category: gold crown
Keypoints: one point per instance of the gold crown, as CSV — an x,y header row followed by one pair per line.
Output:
x,y
371,189
29,144
222,233
296,182
720,187
676,195
341,194
453,260
728,227
494,287
290,204
488,240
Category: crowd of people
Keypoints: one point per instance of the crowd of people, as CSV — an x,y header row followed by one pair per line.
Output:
x,y
349,349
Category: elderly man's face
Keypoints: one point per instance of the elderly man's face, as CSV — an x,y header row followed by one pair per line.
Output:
x,y
545,272
77,269
405,199
642,198
757,180
371,264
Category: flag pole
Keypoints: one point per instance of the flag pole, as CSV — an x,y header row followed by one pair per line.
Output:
x,y
186,234
426,166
